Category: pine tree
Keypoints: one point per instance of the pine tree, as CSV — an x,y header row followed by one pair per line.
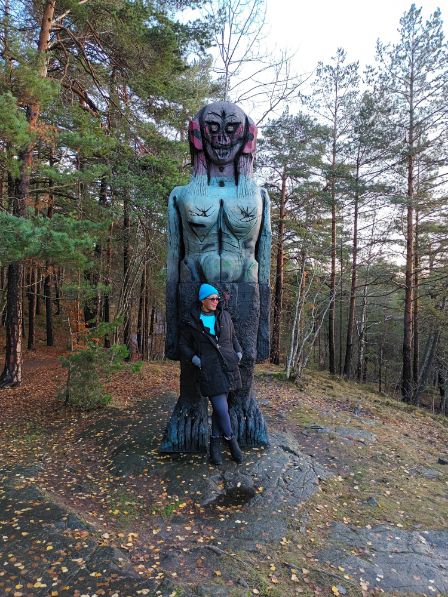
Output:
x,y
414,77
290,156
334,92
12,372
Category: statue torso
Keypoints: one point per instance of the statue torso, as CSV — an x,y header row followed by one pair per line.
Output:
x,y
220,231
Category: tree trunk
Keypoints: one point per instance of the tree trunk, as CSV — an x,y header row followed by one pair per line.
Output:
x,y
57,290
295,329
107,279
48,278
365,363
380,366
441,382
126,263
38,291
407,378
12,373
141,304
331,312
23,303
148,322
341,296
48,307
352,303
430,352
279,275
415,322
32,291
362,335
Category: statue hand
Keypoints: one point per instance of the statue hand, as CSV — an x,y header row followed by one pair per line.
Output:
x,y
240,356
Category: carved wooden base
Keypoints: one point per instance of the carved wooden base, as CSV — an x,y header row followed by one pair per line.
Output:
x,y
188,428
248,423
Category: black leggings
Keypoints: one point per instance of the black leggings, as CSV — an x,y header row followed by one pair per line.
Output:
x,y
220,417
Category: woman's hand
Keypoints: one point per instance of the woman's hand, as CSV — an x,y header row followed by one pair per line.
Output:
x,y
196,361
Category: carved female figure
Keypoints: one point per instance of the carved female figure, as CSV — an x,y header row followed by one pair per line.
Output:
x,y
219,232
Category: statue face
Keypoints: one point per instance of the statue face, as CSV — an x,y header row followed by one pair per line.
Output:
x,y
223,128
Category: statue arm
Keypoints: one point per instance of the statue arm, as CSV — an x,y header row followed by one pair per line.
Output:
x,y
172,281
264,267
264,241
236,345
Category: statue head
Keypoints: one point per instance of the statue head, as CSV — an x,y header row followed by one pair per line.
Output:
x,y
221,133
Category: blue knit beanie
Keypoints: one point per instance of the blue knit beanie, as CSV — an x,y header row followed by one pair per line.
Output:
x,y
206,290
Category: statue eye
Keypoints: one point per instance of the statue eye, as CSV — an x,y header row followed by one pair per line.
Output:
x,y
231,127
214,127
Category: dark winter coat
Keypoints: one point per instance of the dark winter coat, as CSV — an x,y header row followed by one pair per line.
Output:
x,y
219,372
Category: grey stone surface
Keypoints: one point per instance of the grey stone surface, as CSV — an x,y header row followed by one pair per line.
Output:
x,y
355,434
391,559
262,489
30,523
371,501
352,434
428,473
318,428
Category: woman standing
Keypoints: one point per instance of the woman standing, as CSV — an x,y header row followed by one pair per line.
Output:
x,y
208,340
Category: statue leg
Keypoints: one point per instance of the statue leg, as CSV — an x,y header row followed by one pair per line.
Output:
x,y
247,419
187,429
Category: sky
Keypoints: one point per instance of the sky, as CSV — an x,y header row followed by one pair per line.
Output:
x,y
314,29
311,31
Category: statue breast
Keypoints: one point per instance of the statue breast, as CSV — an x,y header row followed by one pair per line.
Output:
x,y
242,216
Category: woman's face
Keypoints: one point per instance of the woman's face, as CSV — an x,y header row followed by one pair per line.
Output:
x,y
210,303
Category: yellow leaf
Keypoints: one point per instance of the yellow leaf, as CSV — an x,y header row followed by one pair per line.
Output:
x,y
217,572
335,591
294,578
64,569
49,547
273,567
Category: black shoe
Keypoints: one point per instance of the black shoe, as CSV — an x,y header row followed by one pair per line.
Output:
x,y
234,449
215,450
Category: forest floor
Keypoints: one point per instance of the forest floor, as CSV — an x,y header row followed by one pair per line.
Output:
x,y
350,499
